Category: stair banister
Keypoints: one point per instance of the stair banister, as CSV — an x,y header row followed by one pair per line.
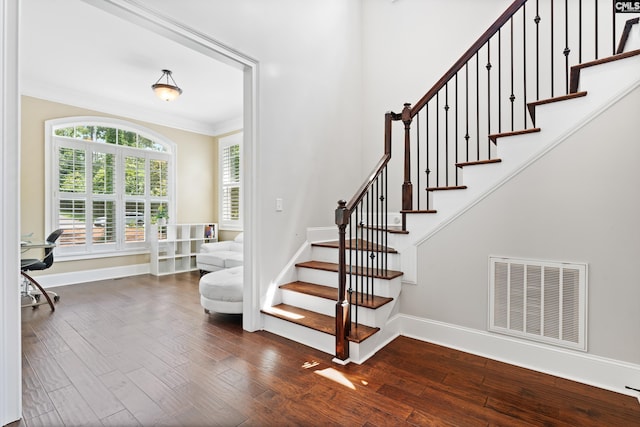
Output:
x,y
343,219
468,55
407,193
407,186
343,314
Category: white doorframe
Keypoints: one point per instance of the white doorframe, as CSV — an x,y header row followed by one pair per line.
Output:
x,y
10,344
133,12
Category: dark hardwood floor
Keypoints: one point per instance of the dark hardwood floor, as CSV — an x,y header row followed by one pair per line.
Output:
x,y
141,351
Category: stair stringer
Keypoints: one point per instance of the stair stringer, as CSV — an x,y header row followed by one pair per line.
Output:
x,y
605,84
289,273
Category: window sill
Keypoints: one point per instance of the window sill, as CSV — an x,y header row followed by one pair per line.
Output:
x,y
96,255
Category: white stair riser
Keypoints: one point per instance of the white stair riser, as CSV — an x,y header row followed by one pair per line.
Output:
x,y
358,352
331,255
382,287
310,302
307,336
366,316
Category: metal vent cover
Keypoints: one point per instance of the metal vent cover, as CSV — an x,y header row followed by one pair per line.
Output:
x,y
539,300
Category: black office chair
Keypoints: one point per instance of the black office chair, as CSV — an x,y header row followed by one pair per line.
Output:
x,y
34,264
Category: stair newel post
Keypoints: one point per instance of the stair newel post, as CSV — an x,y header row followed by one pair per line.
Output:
x,y
407,187
343,315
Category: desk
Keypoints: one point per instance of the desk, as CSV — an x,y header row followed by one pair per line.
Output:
x,y
25,246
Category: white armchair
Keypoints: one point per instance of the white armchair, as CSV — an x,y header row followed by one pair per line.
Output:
x,y
220,255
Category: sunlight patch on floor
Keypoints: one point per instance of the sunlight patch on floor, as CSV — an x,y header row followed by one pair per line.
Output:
x,y
338,377
307,365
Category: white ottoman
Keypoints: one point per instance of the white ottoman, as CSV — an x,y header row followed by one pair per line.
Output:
x,y
221,291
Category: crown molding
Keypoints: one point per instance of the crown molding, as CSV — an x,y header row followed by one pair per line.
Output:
x,y
130,111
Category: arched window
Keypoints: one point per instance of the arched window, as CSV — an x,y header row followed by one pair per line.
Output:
x,y
107,180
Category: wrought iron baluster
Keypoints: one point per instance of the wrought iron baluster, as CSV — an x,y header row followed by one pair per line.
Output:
x,y
613,34
437,165
466,136
579,31
365,245
524,67
446,133
488,98
512,97
427,170
418,161
457,104
386,213
552,50
360,277
566,50
374,244
537,20
500,80
478,105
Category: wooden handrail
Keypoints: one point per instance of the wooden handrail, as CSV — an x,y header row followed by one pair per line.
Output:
x,y
503,19
384,160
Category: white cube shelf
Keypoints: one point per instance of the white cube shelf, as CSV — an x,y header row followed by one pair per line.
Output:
x,y
174,246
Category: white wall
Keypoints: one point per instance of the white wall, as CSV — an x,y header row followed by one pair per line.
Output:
x,y
309,96
578,203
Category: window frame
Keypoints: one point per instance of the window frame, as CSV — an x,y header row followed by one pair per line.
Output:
x,y
223,143
53,197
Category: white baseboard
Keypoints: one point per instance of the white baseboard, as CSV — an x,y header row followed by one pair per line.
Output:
x,y
75,277
582,367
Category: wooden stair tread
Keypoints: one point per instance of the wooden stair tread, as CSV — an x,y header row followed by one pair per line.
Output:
x,y
333,267
495,136
478,162
317,321
357,244
531,106
395,229
331,293
425,211
575,70
454,187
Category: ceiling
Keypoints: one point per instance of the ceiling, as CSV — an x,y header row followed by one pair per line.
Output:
x,y
77,54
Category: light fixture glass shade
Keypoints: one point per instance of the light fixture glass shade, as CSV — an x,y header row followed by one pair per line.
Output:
x,y
166,91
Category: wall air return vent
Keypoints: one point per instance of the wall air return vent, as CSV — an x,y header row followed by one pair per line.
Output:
x,y
538,300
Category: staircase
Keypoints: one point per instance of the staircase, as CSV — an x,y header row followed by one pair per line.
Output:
x,y
305,307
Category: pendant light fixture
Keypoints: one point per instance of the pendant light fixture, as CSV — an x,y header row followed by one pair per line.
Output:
x,y
165,90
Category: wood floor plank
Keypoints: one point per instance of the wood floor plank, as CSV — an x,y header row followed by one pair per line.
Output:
x,y
289,412
95,361
123,418
136,401
163,361
50,373
170,401
214,405
48,419
72,408
35,399
98,397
